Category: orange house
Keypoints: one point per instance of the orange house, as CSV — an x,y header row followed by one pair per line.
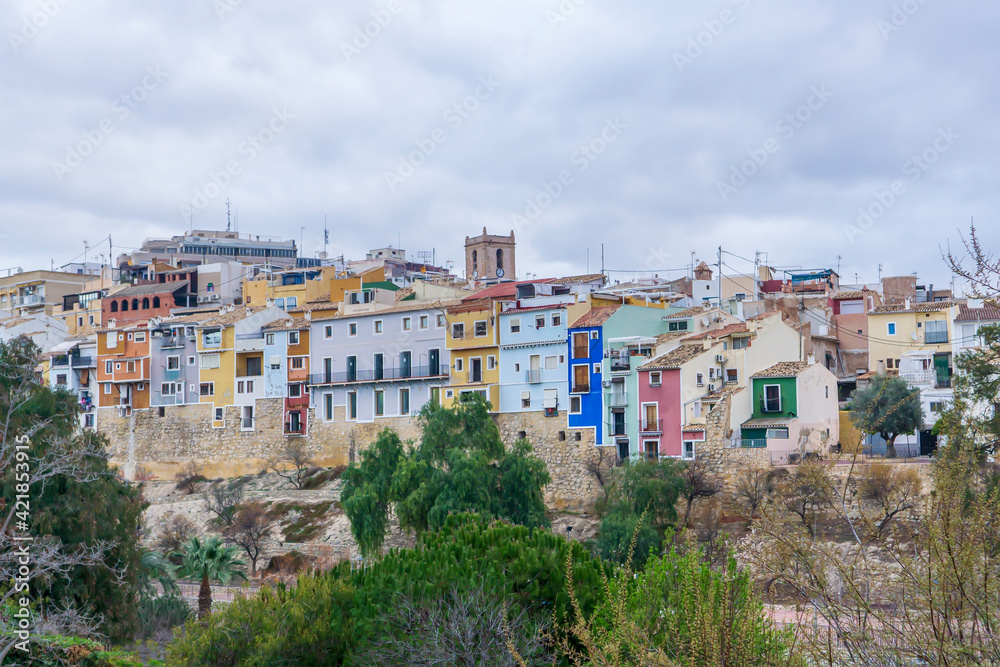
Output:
x,y
123,369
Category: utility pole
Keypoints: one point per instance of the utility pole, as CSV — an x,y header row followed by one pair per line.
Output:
x,y
720,276
111,259
602,261
756,275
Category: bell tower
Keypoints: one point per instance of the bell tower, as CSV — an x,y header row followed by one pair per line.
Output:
x,y
490,257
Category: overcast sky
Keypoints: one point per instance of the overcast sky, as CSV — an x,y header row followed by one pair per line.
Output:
x,y
656,128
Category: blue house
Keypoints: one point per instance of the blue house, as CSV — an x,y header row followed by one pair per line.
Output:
x,y
532,355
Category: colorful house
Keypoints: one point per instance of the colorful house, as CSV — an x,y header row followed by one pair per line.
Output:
x,y
141,303
73,367
795,409
371,365
174,360
474,347
286,371
123,369
674,397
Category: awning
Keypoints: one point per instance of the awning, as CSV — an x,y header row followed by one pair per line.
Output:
x,y
65,346
772,422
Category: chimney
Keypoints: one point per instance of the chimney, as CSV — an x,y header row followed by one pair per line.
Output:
x,y
908,303
811,359
308,315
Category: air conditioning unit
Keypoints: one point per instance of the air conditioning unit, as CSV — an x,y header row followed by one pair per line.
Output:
x,y
606,384
701,384
216,297
711,387
720,359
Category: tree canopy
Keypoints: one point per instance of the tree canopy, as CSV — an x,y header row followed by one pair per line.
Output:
x,y
460,465
887,407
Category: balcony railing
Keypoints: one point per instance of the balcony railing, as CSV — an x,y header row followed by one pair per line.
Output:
x,y
936,337
83,362
919,377
751,443
616,400
770,407
621,364
172,342
371,375
651,426
60,362
618,430
295,429
533,376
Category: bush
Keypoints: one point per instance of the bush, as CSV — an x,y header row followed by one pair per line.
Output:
x,y
330,618
57,650
161,613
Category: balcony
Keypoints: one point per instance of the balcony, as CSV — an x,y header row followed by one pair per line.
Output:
x,y
620,364
617,400
919,377
650,426
295,429
60,362
936,337
533,376
249,343
83,362
173,342
159,398
770,407
386,374
750,443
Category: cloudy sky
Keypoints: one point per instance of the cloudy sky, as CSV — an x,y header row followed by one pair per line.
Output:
x,y
860,131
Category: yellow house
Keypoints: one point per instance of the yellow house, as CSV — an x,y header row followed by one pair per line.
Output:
x,y
289,290
474,347
910,327
217,363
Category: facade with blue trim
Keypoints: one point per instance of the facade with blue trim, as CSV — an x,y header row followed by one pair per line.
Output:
x,y
532,356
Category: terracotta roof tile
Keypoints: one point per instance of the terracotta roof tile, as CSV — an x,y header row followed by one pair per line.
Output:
x,y
785,369
932,307
595,317
676,358
988,313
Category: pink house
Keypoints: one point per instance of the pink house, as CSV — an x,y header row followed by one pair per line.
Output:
x,y
674,392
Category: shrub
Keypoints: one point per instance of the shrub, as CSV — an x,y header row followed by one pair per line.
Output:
x,y
161,613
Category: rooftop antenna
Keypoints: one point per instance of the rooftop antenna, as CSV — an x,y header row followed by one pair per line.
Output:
x,y
326,235
229,216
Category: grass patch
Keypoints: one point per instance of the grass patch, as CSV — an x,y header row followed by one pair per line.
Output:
x,y
320,477
305,521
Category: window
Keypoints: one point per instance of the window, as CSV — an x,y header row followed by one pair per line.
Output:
x,y
741,343
140,337
772,398
556,319
207,389
937,407
891,328
888,363
441,322
424,321
678,326
449,393
352,329
378,326
407,324
458,330
481,329
130,367
539,321
732,376
352,405
574,405
107,388
269,339
827,390
654,379
435,395
515,325
459,364
291,302
328,331
597,369
173,363
700,379
79,321
651,450
404,401
328,401
688,452
61,379
525,399
517,368
936,332
298,363
294,391
491,362
777,434
247,423
280,303
167,389
293,337
190,361
219,414
581,346
108,368
212,339
581,379
551,363
209,361
379,403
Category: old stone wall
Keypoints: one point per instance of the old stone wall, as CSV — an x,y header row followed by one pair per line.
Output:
x,y
164,445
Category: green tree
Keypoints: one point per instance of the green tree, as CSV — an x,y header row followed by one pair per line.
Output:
x,y
209,560
640,500
84,518
460,465
887,407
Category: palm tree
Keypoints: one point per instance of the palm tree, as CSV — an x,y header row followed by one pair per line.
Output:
x,y
154,567
209,560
